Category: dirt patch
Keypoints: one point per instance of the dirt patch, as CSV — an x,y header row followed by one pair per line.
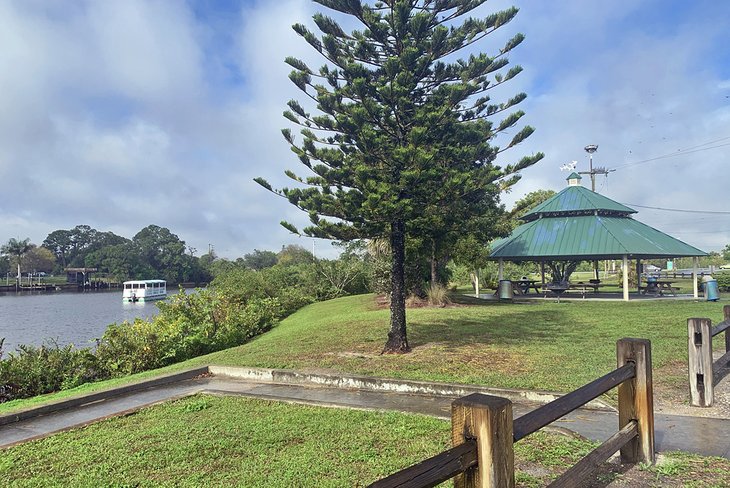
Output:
x,y
473,357
412,302
673,470
356,355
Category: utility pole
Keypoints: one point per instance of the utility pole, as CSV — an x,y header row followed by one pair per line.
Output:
x,y
590,149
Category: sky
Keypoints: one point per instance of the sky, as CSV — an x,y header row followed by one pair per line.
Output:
x,y
119,114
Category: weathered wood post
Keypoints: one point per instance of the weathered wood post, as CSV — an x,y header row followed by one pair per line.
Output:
x,y
726,313
699,348
488,419
636,400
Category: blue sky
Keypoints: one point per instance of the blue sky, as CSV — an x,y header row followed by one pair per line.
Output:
x,y
123,113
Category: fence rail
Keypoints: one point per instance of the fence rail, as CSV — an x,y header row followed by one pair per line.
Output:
x,y
701,367
483,432
433,470
546,415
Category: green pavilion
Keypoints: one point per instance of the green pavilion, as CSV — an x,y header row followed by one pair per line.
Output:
x,y
578,224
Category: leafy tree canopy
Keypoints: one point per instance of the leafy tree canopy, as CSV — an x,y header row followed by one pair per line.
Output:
x,y
294,254
530,201
258,260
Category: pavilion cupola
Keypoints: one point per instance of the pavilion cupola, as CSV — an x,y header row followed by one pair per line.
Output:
x,y
574,179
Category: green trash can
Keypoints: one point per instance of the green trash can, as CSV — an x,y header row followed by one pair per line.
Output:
x,y
504,290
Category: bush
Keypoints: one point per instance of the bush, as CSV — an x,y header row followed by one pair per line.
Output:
x,y
187,326
438,295
723,281
129,348
37,370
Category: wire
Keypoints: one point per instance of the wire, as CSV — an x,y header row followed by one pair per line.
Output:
x,y
714,212
680,152
706,143
700,231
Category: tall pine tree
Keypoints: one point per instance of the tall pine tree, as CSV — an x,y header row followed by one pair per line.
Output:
x,y
401,138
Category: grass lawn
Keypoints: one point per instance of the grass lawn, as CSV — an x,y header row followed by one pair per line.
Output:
x,y
540,345
228,441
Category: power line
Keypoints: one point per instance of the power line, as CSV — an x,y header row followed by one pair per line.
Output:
x,y
680,152
700,231
706,143
714,212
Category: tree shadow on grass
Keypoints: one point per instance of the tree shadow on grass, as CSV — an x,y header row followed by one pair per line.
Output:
x,y
513,328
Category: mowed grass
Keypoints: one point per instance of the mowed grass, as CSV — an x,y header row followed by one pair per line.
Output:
x,y
227,441
537,345
230,441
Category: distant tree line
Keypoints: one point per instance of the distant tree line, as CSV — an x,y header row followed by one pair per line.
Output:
x,y
154,252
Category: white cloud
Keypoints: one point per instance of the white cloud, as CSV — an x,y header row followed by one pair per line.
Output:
x,y
119,114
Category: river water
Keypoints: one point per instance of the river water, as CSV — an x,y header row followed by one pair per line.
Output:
x,y
69,318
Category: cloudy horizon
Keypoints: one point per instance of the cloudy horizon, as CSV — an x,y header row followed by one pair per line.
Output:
x,y
122,114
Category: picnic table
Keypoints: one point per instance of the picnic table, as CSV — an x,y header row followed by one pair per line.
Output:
x,y
524,286
658,287
556,289
583,287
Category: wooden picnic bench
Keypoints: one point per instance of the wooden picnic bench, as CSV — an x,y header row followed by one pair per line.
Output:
x,y
657,288
583,287
523,286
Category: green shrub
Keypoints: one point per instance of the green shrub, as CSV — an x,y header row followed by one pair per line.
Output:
x,y
188,325
723,281
36,370
129,348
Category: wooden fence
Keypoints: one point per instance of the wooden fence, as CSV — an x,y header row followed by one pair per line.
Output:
x,y
483,432
683,274
700,365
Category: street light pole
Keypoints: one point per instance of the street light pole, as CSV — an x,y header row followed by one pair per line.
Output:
x,y
590,149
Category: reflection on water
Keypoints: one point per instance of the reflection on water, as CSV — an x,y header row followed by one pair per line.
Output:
x,y
76,318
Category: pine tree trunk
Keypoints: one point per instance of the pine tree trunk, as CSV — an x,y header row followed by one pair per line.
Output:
x,y
397,340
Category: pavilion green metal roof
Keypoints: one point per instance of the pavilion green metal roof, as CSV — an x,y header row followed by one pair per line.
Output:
x,y
586,237
576,200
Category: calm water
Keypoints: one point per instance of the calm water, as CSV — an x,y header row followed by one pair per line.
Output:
x,y
76,318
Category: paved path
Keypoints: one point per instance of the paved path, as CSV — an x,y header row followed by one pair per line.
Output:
x,y
705,436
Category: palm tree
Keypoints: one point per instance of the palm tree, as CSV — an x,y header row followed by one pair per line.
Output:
x,y
17,248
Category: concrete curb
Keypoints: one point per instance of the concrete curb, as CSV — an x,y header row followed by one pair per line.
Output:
x,y
78,401
290,377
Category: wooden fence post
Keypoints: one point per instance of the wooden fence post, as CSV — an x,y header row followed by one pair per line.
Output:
x,y
699,348
636,400
726,313
488,419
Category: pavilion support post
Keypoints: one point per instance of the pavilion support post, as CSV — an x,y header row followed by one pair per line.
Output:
x,y
638,275
595,269
695,265
625,269
500,275
476,283
542,272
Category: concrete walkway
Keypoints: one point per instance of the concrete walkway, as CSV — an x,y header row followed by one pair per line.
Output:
x,y
705,436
